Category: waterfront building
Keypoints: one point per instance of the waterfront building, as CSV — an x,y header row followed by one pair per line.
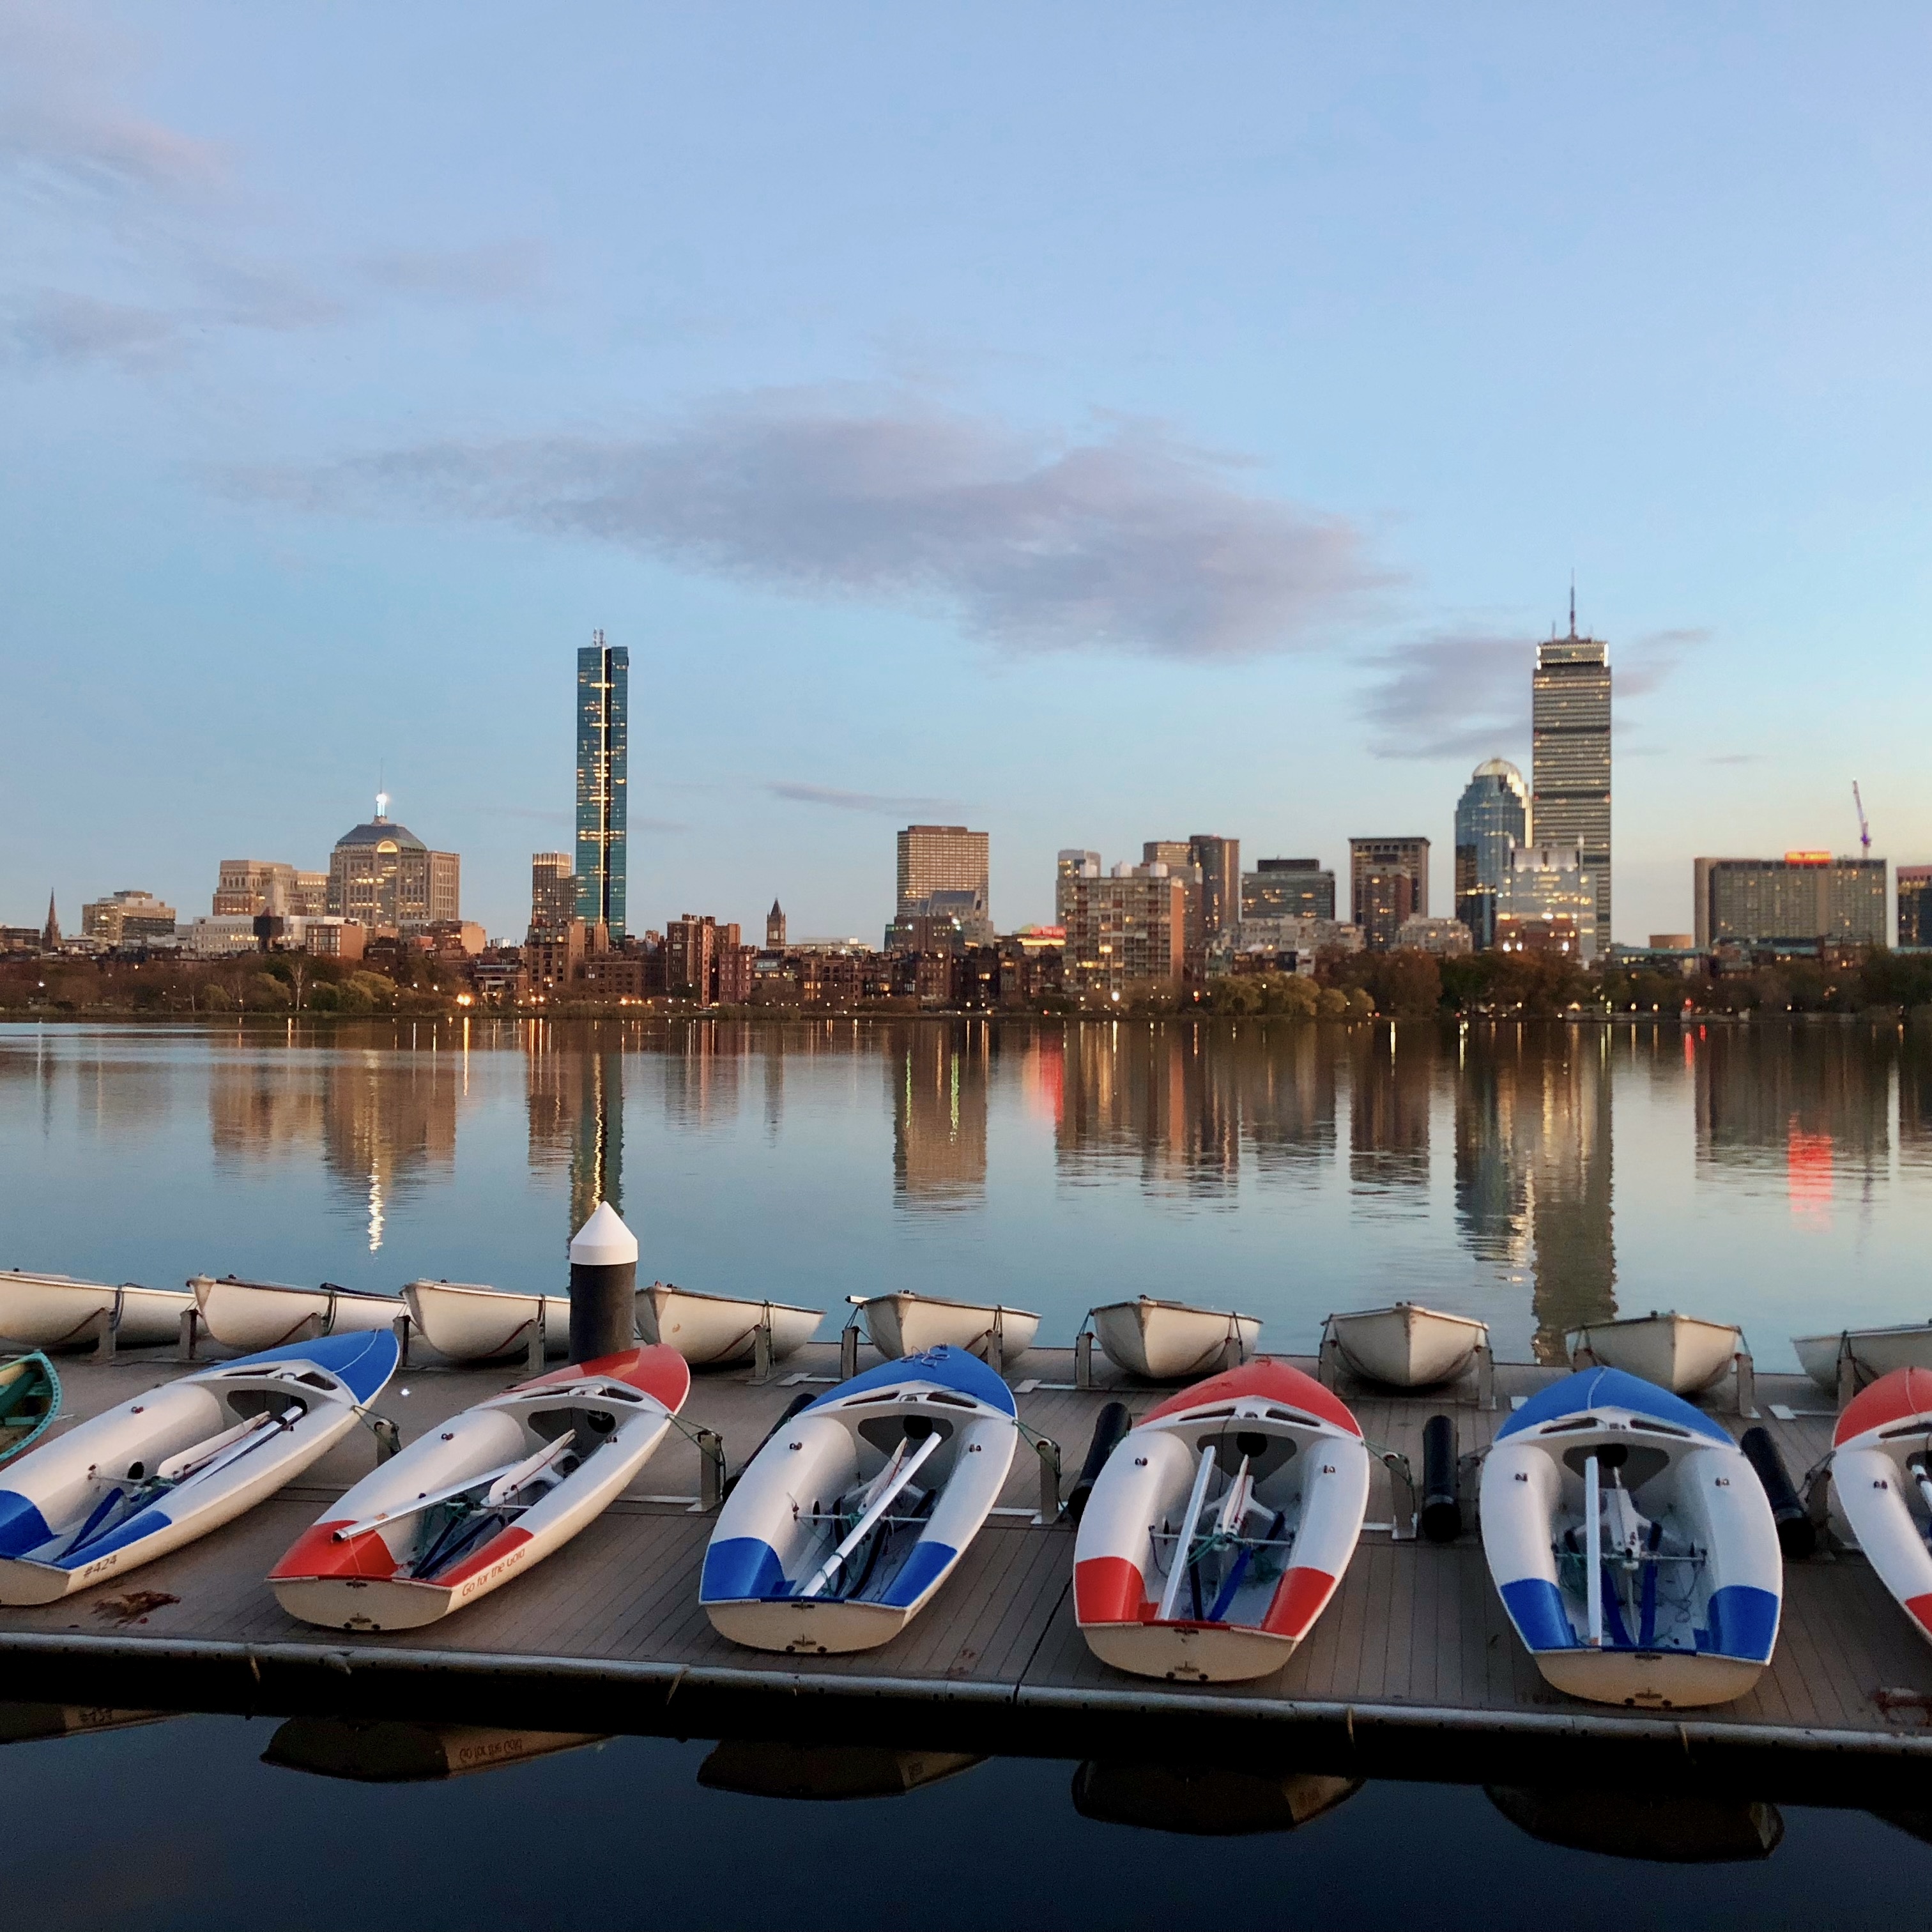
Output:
x,y
1570,797
1914,904
214,935
1672,942
553,892
1548,881
1491,816
1804,899
603,739
250,885
129,917
1288,889
1071,864
942,921
1558,934
1177,855
1279,945
1388,881
1448,938
1123,927
383,876
695,947
941,859
1219,861
774,929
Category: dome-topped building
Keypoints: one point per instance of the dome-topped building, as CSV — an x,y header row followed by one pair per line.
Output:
x,y
384,876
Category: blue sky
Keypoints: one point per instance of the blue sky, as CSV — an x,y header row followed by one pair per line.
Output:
x,y
1095,424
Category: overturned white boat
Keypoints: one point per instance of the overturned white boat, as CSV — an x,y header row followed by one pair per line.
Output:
x,y
715,1330
1170,1341
906,1324
856,1509
1873,1351
497,1488
1632,1545
469,1321
54,1311
1881,1477
1682,1353
257,1314
1407,1345
147,1476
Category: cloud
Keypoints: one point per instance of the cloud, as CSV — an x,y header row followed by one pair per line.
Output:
x,y
885,806
1467,693
55,326
1129,542
492,272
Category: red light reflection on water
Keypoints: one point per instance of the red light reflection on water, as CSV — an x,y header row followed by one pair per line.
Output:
x,y
1807,1174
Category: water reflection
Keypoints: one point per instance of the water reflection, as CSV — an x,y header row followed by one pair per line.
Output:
x,y
825,1773
384,1750
937,1076
1659,1827
574,1094
1210,1802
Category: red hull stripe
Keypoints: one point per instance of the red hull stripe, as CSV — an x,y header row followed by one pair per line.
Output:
x,y
498,1546
1263,1381
656,1370
1110,1590
1300,1599
1892,1398
317,1553
1920,1608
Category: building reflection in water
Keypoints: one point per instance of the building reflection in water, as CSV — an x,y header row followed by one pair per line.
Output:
x,y
1533,1170
384,1122
938,1077
574,1092
1392,1073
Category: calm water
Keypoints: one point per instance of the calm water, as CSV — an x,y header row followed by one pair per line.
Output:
x,y
1536,1176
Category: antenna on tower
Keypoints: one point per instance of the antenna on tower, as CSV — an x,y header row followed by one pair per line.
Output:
x,y
382,796
1573,603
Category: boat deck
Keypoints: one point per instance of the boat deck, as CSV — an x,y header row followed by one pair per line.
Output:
x,y
1413,1669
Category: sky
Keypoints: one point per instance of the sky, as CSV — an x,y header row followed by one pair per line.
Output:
x,y
1092,424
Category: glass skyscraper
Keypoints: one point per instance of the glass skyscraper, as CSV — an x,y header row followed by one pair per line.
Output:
x,y
603,706
1492,816
1570,723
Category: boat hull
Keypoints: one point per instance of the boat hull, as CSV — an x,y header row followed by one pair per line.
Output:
x,y
1682,1353
1190,1653
30,1398
1407,1345
1167,1341
717,1330
254,1315
1880,1433
470,1322
898,1325
812,1629
47,1311
1875,1352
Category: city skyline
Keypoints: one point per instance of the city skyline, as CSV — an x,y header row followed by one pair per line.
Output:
x,y
486,380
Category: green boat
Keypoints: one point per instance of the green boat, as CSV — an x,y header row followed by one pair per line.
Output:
x,y
30,1398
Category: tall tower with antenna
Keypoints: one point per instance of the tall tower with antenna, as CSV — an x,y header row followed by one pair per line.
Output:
x,y
1570,785
603,736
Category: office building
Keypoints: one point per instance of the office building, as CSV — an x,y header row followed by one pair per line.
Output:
x,y
382,875
705,961
1126,926
1388,881
1799,901
1177,855
1219,861
1071,864
1914,904
1492,817
129,917
245,886
941,859
942,921
1279,945
553,893
1288,889
1546,882
774,929
1448,938
1570,791
603,738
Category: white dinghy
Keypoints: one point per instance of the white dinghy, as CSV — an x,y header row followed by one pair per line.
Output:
x,y
1682,1353
258,1315
1169,1341
905,1324
1880,1476
1407,1345
1874,1352
497,1488
54,1311
147,1476
856,1509
1220,1527
469,1321
716,1331
1632,1545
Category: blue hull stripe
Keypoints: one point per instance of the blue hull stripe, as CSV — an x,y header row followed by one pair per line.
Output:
x,y
741,1567
1535,1606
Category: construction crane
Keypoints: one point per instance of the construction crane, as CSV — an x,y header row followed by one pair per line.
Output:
x,y
1865,830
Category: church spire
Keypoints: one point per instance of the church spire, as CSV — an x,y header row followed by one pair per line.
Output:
x,y
50,933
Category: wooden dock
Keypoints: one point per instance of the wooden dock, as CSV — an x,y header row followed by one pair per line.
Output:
x,y
1414,1670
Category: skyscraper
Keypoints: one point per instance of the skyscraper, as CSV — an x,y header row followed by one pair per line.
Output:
x,y
553,893
1570,800
1388,881
603,710
940,858
1914,904
1492,816
1219,860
